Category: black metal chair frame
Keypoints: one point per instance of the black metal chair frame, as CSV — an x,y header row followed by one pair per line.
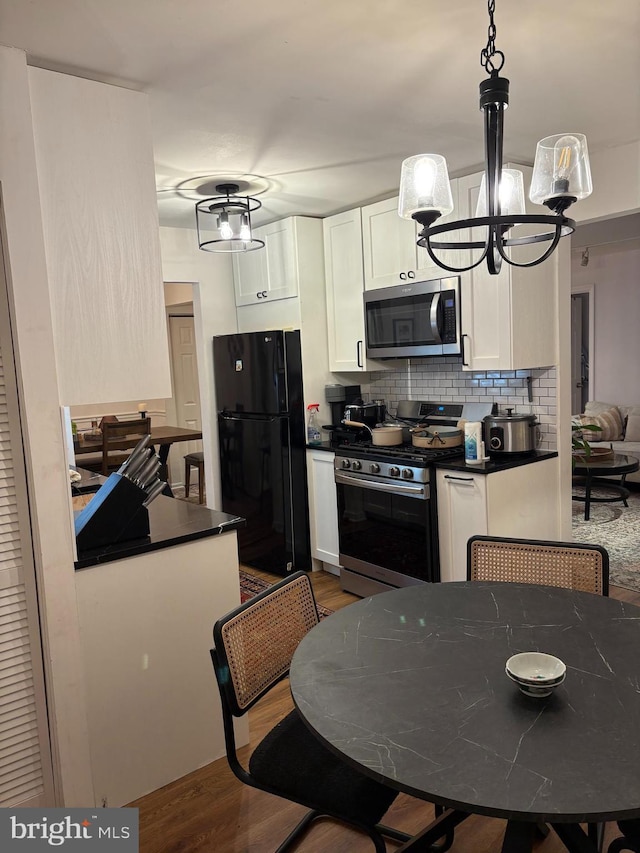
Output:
x,y
230,709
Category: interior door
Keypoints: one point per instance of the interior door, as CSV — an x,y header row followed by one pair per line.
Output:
x,y
186,389
579,352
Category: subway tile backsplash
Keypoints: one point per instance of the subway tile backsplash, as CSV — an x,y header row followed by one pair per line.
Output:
x,y
443,380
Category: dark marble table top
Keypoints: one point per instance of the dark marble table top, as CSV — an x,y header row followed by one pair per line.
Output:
x,y
409,685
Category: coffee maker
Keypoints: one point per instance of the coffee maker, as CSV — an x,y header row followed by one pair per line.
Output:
x,y
339,396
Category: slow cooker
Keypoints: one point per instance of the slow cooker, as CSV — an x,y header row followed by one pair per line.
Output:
x,y
510,434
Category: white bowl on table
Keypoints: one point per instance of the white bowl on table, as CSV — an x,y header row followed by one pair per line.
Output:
x,y
536,674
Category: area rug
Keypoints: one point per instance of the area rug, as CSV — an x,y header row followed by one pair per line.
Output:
x,y
616,528
251,585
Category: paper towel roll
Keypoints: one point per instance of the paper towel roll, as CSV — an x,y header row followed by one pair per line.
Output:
x,y
473,443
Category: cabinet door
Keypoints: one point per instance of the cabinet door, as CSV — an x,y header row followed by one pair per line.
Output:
x,y
462,512
250,274
271,273
389,245
485,299
324,508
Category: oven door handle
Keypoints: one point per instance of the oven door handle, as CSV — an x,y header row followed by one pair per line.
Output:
x,y
393,488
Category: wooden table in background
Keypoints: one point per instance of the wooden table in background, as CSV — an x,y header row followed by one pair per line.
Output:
x,y
163,436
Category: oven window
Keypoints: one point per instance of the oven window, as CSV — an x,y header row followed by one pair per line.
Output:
x,y
385,530
402,321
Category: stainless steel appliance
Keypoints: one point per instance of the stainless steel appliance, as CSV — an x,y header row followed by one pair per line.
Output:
x,y
387,524
511,434
420,318
261,427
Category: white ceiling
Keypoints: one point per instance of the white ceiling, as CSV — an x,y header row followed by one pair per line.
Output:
x,y
322,99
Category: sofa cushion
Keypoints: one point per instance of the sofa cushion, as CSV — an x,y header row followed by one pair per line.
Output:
x,y
608,422
632,432
596,407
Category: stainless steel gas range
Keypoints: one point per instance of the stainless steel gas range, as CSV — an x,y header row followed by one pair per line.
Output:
x,y
387,521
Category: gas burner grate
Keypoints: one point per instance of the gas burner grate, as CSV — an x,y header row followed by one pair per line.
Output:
x,y
405,452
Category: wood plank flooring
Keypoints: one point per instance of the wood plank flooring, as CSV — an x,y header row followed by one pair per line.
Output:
x,y
210,810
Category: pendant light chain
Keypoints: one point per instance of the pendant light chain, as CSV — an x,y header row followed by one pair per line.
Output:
x,y
488,53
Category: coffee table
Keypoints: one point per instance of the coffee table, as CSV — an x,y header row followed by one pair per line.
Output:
x,y
594,472
409,686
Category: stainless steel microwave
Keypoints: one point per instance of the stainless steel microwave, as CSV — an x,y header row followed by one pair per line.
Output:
x,y
420,318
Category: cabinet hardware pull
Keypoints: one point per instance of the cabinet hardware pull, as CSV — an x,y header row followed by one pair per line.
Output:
x,y
359,353
259,295
411,274
461,479
464,356
403,276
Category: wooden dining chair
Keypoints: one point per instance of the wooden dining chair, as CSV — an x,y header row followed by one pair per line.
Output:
x,y
253,648
570,565
118,436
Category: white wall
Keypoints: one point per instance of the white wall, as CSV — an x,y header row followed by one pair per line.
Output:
x,y
47,472
614,273
214,312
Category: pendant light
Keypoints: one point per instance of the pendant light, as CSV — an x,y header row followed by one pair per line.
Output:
x,y
224,221
561,176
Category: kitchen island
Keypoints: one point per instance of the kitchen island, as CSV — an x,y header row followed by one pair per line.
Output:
x,y
146,610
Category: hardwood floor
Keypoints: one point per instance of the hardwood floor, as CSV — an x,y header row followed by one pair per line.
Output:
x,y
210,810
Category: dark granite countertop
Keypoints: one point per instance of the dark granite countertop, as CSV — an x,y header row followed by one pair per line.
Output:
x,y
494,465
325,445
171,522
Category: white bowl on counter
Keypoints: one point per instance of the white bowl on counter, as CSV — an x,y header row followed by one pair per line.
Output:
x,y
536,674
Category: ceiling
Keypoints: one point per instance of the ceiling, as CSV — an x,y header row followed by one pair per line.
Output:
x,y
321,101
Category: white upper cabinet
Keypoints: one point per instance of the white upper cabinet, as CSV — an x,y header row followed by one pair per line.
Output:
x,y
391,253
344,286
389,245
102,239
271,273
508,320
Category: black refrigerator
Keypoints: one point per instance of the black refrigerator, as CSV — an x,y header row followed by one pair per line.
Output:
x,y
261,432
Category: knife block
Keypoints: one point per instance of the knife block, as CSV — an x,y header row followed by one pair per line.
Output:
x,y
114,514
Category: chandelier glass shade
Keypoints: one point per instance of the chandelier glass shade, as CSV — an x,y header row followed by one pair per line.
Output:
x,y
561,176
224,221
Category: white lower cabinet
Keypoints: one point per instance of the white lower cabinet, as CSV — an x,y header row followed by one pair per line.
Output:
x,y
323,509
520,502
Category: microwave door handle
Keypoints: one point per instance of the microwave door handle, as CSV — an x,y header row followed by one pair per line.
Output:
x,y
433,318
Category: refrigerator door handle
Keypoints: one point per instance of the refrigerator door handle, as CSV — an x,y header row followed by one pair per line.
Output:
x,y
248,418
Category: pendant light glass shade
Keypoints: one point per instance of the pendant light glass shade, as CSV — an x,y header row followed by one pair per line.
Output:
x,y
510,194
561,169
224,222
424,187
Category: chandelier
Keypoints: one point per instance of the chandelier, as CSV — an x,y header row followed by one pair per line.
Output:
x,y
224,221
561,176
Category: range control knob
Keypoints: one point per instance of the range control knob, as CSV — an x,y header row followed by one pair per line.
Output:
x,y
394,472
345,463
356,465
407,474
374,468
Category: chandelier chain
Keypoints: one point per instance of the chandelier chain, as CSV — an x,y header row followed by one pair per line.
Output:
x,y
489,53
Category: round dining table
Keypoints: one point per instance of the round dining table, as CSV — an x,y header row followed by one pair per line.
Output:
x,y
410,687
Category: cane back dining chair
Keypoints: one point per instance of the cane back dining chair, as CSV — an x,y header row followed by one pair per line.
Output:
x,y
570,565
253,647
119,436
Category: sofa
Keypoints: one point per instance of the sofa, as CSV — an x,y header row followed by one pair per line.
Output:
x,y
619,428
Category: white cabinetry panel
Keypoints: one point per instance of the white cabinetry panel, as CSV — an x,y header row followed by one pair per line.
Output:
x,y
100,218
323,508
389,245
520,502
508,320
345,286
270,273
